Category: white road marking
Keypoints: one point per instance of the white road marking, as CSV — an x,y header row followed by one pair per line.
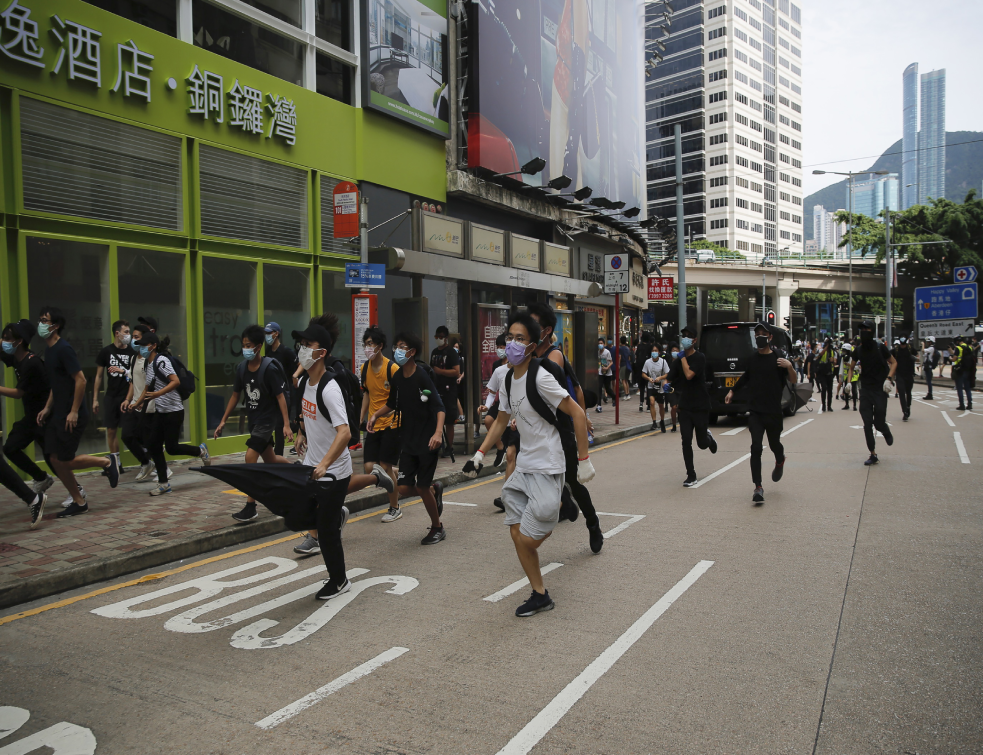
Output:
x,y
330,688
925,402
455,503
549,716
62,738
516,586
963,456
735,431
11,719
632,518
793,429
948,419
720,471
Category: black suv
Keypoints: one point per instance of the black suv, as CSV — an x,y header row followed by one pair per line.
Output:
x,y
728,347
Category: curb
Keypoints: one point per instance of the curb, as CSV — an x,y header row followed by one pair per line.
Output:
x,y
45,585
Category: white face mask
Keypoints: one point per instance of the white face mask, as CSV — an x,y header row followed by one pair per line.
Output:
x,y
306,357
370,352
125,340
441,341
500,353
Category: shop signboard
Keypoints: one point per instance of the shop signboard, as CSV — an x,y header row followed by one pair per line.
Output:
x,y
365,309
405,44
443,235
524,252
564,333
487,244
557,259
661,289
637,286
592,267
492,320
345,197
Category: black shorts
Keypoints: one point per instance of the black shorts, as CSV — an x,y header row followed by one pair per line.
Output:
x,y
260,436
59,442
23,433
511,438
111,414
417,470
450,405
381,447
659,396
493,411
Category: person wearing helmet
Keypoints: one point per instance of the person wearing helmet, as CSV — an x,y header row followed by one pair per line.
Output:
x,y
930,358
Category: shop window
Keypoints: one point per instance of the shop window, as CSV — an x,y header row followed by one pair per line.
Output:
x,y
333,23
334,79
75,278
329,244
160,15
247,198
228,306
286,298
338,299
235,38
79,164
283,10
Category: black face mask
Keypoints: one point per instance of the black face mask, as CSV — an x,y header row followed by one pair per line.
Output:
x,y
761,341
866,336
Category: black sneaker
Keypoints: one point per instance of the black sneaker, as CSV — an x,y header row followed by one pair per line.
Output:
x,y
674,428
662,424
382,480
845,408
759,495
37,509
655,426
113,470
888,436
330,591
690,481
247,514
596,539
435,535
499,458
778,471
73,510
904,418
535,604
438,493
498,504
961,408
568,509
711,443
871,461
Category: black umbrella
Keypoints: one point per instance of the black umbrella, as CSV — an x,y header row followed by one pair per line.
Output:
x,y
285,489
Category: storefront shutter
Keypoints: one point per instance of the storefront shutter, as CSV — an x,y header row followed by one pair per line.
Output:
x,y
329,244
251,199
79,164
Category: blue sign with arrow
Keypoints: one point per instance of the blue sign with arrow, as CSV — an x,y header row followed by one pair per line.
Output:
x,y
964,274
368,275
954,302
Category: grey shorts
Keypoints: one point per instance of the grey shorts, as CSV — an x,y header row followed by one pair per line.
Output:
x,y
533,502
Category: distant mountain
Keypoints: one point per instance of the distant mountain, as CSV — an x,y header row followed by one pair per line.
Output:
x,y
963,171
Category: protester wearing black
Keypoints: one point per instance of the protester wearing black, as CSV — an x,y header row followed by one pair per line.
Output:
x,y
764,382
687,375
446,365
905,375
877,367
113,362
288,360
642,352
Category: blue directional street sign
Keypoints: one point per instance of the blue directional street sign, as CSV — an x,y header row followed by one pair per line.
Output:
x,y
965,274
954,302
368,275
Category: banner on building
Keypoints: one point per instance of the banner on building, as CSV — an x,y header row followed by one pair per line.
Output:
x,y
661,289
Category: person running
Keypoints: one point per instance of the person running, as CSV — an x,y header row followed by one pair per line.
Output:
x,y
824,364
137,420
263,381
32,389
624,356
930,360
654,368
68,413
905,375
327,436
848,383
963,369
687,375
764,380
532,494
114,360
382,445
605,364
446,364
287,358
671,399
421,420
165,433
877,368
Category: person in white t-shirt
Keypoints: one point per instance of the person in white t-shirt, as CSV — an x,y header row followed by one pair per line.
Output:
x,y
654,368
326,445
532,494
604,362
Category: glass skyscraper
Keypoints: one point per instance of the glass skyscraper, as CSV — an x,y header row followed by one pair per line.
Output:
x,y
931,139
874,194
909,148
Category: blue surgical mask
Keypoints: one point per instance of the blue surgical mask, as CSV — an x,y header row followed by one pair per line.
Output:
x,y
269,339
248,354
399,355
44,329
655,355
145,351
9,347
685,343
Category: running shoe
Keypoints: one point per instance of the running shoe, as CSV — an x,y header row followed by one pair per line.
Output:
x,y
498,504
438,493
690,481
499,458
308,547
674,427
37,509
206,458
641,408
68,501
662,425
345,513
143,475
247,514
598,409
161,489
41,486
382,479
711,443
888,436
871,461
435,535
535,604
155,478
778,471
392,515
759,495
113,470
330,591
73,510
655,426
596,538
904,418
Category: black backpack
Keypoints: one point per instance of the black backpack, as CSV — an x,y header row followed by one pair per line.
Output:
x,y
187,378
266,363
562,422
935,358
353,414
390,368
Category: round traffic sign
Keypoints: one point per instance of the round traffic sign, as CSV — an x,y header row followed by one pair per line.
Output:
x,y
616,263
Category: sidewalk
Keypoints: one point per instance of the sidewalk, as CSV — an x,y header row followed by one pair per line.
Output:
x,y
127,530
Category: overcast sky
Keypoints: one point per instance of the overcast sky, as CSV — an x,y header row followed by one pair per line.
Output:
x,y
854,54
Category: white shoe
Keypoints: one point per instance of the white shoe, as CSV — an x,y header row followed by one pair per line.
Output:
x,y
392,515
170,474
143,475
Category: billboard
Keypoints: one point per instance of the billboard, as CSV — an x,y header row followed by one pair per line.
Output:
x,y
405,43
560,80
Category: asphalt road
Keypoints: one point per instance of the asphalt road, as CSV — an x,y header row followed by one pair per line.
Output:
x,y
842,616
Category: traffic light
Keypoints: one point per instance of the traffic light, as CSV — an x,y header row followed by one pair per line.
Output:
x,y
771,317
788,323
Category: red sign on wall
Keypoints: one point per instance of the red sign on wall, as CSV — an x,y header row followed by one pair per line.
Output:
x,y
661,289
345,197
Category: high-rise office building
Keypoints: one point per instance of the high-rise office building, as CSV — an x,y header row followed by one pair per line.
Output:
x,y
732,78
909,142
873,194
827,233
931,138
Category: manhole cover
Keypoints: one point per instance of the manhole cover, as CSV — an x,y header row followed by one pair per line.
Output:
x,y
8,547
157,533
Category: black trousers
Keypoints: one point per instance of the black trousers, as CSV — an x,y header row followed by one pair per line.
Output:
x,y
904,383
690,422
134,435
759,424
873,411
165,434
580,493
10,480
825,380
608,385
330,497
927,373
23,433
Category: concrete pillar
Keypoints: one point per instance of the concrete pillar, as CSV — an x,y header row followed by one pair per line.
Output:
x,y
780,298
702,301
745,305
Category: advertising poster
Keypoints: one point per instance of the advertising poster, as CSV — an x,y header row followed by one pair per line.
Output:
x,y
491,322
564,331
406,46
561,80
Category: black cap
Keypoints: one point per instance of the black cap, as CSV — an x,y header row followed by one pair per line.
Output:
x,y
764,325
150,322
314,332
23,329
866,325
148,339
688,331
